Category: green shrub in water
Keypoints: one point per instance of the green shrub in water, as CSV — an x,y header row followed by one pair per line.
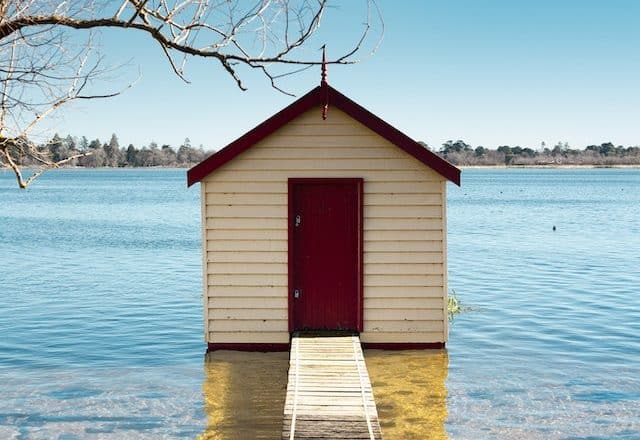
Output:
x,y
453,305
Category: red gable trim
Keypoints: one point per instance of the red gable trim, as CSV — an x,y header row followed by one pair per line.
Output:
x,y
395,136
243,143
308,101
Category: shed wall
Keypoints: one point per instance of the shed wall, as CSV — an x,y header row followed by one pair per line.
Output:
x,y
245,232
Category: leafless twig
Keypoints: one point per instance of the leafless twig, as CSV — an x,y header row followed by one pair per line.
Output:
x,y
45,64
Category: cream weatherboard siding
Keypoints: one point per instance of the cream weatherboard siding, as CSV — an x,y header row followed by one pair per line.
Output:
x,y
245,233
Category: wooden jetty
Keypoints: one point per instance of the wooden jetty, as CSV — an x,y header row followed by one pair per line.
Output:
x,y
329,393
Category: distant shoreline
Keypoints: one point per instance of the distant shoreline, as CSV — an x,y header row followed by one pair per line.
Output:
x,y
463,167
76,167
555,166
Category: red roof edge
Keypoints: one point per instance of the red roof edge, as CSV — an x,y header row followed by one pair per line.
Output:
x,y
395,136
246,141
311,99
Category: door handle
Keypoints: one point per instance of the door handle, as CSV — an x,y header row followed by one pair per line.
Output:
x,y
296,293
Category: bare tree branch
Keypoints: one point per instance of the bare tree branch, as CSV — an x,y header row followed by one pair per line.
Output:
x,y
48,57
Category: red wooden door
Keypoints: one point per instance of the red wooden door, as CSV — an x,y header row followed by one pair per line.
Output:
x,y
325,254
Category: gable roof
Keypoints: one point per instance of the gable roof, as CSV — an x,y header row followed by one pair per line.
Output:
x,y
319,95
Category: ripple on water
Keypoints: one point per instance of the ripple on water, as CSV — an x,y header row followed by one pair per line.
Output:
x,y
244,394
101,318
410,393
559,311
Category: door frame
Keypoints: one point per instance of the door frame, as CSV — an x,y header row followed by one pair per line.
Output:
x,y
358,183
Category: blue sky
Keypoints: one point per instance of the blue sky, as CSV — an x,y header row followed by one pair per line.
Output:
x,y
489,72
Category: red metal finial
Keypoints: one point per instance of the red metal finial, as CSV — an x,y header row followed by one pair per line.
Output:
x,y
324,84
323,78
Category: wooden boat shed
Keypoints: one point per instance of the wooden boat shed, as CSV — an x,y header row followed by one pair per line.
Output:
x,y
324,217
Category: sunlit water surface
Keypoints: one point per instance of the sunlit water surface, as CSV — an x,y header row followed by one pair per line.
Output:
x,y
101,332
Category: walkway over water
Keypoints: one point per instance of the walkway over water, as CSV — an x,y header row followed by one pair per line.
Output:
x,y
329,393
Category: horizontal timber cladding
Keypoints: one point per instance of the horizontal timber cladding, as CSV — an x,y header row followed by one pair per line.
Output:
x,y
245,218
255,313
238,302
248,325
248,337
405,314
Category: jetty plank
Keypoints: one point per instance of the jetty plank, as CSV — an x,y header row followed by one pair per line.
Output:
x,y
329,393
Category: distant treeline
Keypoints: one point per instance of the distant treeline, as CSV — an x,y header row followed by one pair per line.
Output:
x,y
606,154
111,154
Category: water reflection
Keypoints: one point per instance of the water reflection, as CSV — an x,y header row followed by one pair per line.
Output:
x,y
410,392
244,394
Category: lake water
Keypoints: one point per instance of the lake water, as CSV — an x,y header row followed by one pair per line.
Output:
x,y
101,332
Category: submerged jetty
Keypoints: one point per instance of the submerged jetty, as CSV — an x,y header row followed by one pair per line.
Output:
x,y
329,393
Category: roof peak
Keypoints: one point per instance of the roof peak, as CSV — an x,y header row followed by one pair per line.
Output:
x,y
310,101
